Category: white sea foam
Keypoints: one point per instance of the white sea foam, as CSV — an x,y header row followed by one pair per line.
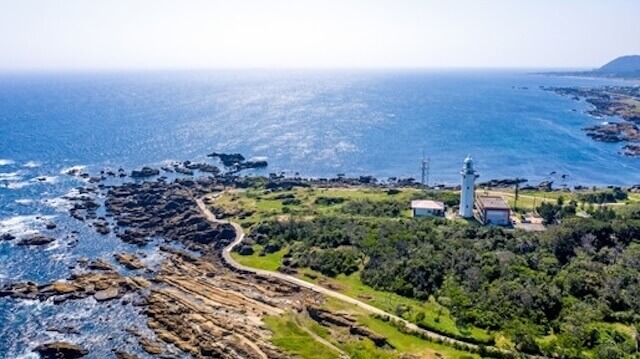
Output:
x,y
21,226
5,162
18,185
34,304
10,176
12,180
31,164
258,158
24,201
61,203
29,355
56,258
73,169
45,179
152,259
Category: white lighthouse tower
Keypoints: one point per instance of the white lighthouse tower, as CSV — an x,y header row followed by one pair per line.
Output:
x,y
467,191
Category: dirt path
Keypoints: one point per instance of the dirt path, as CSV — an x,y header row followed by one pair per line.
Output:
x,y
226,256
319,338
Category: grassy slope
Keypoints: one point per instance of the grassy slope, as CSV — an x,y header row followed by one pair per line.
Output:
x,y
269,261
436,315
266,206
289,336
263,205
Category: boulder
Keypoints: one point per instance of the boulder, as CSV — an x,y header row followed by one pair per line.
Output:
x,y
100,265
228,159
124,355
130,261
60,350
145,172
106,294
36,241
7,237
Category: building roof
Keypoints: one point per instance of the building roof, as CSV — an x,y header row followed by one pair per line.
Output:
x,y
427,204
493,203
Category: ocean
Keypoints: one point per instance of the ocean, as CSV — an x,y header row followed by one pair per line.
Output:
x,y
314,123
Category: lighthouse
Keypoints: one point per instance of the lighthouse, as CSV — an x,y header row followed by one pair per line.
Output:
x,y
467,191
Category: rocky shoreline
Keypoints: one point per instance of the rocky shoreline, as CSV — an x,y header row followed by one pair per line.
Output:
x,y
621,102
192,302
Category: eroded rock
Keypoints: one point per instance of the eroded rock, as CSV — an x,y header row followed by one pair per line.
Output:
x,y
37,240
60,350
130,261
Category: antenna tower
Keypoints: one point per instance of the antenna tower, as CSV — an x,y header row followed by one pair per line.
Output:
x,y
426,164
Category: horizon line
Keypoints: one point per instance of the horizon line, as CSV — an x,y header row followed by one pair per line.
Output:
x,y
286,68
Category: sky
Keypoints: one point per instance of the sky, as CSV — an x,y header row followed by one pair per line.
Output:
x,y
151,34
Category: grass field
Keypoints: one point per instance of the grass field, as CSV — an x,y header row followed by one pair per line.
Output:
x,y
292,332
435,315
270,261
291,337
263,204
288,336
253,205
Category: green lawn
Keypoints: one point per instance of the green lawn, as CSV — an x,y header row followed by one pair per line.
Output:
x,y
288,336
435,315
263,204
403,343
270,261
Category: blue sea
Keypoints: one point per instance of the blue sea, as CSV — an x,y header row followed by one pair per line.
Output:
x,y
315,123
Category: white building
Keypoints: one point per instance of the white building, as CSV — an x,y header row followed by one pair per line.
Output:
x,y
421,208
467,190
493,210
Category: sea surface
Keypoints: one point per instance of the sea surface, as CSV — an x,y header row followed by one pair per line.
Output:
x,y
315,123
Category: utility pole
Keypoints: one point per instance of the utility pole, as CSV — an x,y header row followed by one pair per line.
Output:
x,y
517,193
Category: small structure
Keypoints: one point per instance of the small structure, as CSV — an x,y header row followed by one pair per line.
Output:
x,y
421,208
493,210
467,190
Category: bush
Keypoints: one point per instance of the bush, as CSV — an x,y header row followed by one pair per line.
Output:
x,y
328,201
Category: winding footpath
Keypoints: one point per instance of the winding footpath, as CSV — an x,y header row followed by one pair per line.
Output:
x,y
228,259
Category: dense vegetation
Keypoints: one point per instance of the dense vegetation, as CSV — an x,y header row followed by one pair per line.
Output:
x,y
571,290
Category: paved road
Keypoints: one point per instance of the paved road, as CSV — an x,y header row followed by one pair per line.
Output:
x,y
226,256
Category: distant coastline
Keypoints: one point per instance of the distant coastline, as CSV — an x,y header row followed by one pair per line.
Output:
x,y
619,102
623,67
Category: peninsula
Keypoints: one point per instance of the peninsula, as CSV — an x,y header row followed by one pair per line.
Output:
x,y
277,266
618,105
623,67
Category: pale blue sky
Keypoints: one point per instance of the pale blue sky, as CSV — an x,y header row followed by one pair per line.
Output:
x,y
88,34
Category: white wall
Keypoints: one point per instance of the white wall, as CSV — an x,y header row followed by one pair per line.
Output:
x,y
497,217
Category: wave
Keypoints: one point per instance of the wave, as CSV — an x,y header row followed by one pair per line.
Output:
x,y
62,203
5,162
45,179
58,257
22,226
24,201
18,185
15,183
73,170
31,164
29,355
10,176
